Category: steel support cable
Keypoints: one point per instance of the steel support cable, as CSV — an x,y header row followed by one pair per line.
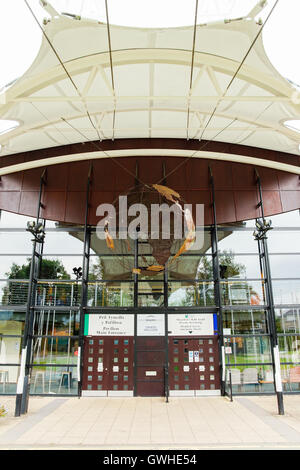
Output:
x,y
111,68
192,70
64,67
48,120
99,148
239,139
224,94
79,94
238,69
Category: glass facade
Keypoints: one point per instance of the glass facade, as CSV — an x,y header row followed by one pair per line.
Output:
x,y
189,285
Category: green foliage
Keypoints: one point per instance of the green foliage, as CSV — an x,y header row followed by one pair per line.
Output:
x,y
226,258
3,411
16,292
50,269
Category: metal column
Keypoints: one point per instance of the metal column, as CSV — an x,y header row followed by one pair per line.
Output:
x,y
23,384
166,371
217,283
266,272
84,284
135,304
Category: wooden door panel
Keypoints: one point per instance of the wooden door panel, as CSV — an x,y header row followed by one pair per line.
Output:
x,y
107,363
150,362
193,364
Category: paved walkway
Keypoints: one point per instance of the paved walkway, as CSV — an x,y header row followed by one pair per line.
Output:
x,y
150,423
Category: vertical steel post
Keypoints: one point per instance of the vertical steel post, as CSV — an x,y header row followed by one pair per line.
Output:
x,y
217,283
166,333
135,304
135,290
265,264
23,384
84,283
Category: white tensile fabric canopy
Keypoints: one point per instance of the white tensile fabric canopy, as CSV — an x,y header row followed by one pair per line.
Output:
x,y
95,81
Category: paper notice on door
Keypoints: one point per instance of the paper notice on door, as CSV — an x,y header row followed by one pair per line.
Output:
x,y
201,368
115,368
186,368
191,356
100,367
196,356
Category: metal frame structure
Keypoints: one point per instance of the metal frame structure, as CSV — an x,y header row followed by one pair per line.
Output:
x,y
26,359
85,277
219,306
217,286
266,274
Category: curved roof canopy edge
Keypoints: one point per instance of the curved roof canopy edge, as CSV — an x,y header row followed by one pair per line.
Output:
x,y
150,152
151,84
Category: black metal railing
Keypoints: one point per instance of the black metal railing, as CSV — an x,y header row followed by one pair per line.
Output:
x,y
166,383
228,385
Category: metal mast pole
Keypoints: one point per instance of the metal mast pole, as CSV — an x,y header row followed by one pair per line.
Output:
x,y
84,284
217,283
265,263
23,384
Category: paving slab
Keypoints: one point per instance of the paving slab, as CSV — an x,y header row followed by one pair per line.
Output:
x,y
248,422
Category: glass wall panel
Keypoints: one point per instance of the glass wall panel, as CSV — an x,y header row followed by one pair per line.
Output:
x,y
14,292
288,219
8,379
242,293
11,323
288,320
290,374
238,241
285,266
286,291
58,242
58,293
58,350
280,241
15,242
239,266
51,322
245,321
60,267
204,268
54,380
248,350
111,267
190,294
250,379
10,349
151,300
289,348
14,266
9,219
110,294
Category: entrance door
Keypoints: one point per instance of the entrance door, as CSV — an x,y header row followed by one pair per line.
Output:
x,y
194,366
107,366
150,362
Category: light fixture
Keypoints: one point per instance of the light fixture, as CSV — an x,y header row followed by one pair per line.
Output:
x,y
262,227
293,125
37,230
77,272
7,125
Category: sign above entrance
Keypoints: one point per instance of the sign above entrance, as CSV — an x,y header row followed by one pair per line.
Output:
x,y
109,325
151,325
192,324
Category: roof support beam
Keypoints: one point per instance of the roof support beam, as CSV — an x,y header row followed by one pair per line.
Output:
x,y
159,152
105,99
